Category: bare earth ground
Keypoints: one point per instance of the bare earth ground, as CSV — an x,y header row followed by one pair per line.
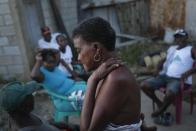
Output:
x,y
43,108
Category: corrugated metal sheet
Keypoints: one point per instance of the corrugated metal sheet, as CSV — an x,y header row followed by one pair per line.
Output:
x,y
140,17
126,16
134,17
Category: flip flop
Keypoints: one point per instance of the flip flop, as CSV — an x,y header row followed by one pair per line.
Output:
x,y
159,119
165,119
168,119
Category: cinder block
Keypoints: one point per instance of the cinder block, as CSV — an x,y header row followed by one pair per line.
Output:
x,y
11,50
4,8
5,60
4,41
1,51
47,13
71,3
8,19
17,60
3,70
7,30
13,40
51,24
1,21
16,69
3,1
45,4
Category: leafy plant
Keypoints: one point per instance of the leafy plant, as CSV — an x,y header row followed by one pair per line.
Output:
x,y
133,54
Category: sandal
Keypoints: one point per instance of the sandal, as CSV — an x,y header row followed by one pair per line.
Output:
x,y
159,119
165,119
168,119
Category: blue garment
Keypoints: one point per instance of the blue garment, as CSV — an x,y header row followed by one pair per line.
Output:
x,y
57,81
76,104
173,84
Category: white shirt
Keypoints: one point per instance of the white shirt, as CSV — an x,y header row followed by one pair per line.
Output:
x,y
42,44
169,57
180,62
67,57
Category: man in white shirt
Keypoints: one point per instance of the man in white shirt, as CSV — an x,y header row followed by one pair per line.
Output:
x,y
48,39
177,66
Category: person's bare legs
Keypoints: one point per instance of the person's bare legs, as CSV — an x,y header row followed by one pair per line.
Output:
x,y
150,92
144,127
169,97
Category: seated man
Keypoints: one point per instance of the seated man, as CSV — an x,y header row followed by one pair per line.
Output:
x,y
176,67
48,40
18,102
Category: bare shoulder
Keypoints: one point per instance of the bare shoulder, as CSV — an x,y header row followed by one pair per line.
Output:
x,y
121,74
122,77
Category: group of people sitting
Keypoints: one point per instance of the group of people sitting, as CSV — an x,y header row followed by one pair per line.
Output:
x,y
112,95
59,43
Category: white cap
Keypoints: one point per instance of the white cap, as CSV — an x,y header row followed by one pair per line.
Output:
x,y
180,32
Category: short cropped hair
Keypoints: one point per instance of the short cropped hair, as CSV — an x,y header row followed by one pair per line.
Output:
x,y
46,53
60,35
96,29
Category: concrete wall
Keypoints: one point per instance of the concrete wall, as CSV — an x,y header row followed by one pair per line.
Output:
x,y
13,62
13,52
48,15
68,10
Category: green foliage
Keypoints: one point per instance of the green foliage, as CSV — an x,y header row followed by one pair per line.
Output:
x,y
133,53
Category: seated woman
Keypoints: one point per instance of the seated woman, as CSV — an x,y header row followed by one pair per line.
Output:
x,y
46,71
65,55
112,99
66,60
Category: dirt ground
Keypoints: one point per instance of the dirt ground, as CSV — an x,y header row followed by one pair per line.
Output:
x,y
43,108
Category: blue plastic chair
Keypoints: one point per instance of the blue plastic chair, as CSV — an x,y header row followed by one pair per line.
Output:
x,y
59,115
79,69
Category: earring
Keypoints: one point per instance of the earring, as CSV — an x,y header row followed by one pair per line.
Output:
x,y
97,57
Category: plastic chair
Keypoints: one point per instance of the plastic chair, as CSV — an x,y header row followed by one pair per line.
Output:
x,y
152,61
185,89
60,116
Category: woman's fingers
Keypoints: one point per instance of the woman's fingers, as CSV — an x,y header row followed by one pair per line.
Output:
x,y
107,67
112,67
112,61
